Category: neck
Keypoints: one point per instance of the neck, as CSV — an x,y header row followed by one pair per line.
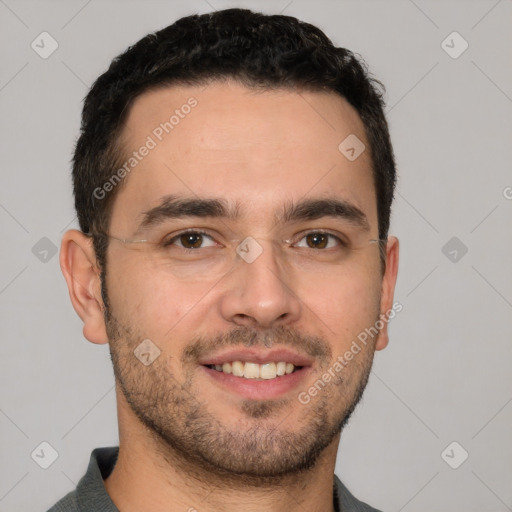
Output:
x,y
150,476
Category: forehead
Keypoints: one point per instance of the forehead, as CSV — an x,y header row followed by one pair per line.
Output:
x,y
256,148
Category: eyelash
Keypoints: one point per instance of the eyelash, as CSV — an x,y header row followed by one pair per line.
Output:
x,y
170,241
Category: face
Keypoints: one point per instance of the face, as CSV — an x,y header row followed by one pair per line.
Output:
x,y
256,275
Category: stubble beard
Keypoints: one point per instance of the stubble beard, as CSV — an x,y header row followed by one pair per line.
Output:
x,y
257,451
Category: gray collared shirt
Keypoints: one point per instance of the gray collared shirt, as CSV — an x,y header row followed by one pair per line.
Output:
x,y
90,494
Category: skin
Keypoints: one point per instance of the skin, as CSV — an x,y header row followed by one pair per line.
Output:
x,y
185,442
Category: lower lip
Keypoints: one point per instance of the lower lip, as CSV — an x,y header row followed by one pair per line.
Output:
x,y
258,389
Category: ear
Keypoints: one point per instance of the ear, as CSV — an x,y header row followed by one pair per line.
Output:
x,y
388,290
79,266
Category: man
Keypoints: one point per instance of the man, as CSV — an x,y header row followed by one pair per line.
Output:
x,y
233,182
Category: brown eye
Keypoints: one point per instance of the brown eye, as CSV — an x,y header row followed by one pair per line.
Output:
x,y
191,240
317,240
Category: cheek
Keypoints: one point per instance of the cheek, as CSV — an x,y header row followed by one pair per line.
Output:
x,y
344,302
340,302
152,302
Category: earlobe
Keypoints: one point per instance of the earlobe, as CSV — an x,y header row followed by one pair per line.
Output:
x,y
388,290
79,267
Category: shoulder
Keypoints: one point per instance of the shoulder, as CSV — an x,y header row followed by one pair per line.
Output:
x,y
67,504
348,502
90,494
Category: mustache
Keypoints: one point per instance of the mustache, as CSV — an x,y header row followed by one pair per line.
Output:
x,y
203,346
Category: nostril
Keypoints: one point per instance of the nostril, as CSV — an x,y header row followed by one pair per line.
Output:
x,y
244,320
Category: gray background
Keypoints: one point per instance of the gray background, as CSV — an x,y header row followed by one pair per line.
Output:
x,y
446,374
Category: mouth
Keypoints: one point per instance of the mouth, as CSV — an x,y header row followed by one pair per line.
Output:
x,y
258,375
248,370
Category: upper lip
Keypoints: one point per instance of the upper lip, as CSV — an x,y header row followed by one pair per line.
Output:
x,y
258,356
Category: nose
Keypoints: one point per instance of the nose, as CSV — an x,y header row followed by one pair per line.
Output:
x,y
260,293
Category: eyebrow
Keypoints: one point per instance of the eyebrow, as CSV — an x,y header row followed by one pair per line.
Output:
x,y
173,207
312,209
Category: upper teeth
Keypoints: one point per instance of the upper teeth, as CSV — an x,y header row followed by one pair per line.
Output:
x,y
254,370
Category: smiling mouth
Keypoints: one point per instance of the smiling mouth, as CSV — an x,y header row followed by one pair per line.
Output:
x,y
248,370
